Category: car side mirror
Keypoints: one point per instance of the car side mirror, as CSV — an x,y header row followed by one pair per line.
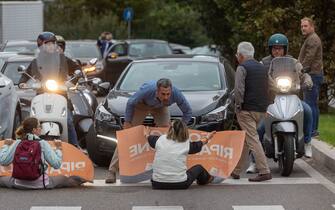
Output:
x,y
2,82
21,69
93,61
177,51
113,55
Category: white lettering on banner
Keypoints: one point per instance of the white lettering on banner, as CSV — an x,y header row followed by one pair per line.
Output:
x,y
69,167
219,150
138,149
192,136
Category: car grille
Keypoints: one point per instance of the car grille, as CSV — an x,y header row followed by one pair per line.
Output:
x,y
150,121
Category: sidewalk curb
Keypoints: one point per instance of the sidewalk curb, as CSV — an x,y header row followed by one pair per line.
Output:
x,y
324,154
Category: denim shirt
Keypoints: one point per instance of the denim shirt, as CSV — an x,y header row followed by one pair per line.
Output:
x,y
147,95
54,158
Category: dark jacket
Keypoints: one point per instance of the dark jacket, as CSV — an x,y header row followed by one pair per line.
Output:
x,y
310,55
251,86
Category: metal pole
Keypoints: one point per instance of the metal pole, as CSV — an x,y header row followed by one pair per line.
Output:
x,y
129,29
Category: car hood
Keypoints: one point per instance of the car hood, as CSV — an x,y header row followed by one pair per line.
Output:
x,y
201,102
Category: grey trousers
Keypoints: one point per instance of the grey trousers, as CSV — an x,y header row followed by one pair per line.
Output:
x,y
162,119
54,182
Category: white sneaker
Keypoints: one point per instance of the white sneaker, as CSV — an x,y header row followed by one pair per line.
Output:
x,y
308,150
252,168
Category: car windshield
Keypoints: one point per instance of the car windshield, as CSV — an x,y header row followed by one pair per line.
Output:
x,y
187,76
149,49
82,50
11,70
27,48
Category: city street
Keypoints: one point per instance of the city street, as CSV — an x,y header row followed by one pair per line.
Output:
x,y
305,189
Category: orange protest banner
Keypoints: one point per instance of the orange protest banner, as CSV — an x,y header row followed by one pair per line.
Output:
x,y
220,156
74,163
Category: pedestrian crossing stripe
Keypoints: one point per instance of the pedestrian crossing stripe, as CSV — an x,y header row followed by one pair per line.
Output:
x,y
243,181
157,208
55,208
275,207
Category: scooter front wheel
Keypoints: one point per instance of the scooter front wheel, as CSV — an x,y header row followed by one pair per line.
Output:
x,y
286,159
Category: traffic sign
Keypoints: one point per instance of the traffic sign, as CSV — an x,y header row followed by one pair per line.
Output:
x,y
128,14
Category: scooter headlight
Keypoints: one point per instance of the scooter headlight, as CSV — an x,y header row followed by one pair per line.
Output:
x,y
90,69
284,84
51,85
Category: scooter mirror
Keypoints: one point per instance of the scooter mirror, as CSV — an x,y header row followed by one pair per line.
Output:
x,y
21,69
93,61
105,85
77,73
96,81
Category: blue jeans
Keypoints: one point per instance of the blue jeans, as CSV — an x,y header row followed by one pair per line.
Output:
x,y
311,97
72,135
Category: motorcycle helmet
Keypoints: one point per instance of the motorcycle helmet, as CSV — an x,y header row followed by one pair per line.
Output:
x,y
45,37
60,42
278,39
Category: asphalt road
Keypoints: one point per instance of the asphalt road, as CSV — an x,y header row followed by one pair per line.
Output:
x,y
305,189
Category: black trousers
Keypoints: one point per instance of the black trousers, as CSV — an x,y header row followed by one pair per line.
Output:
x,y
197,172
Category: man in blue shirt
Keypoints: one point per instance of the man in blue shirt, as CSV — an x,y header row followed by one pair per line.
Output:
x,y
152,98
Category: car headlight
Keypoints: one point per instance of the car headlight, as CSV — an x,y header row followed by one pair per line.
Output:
x,y
103,115
284,84
51,85
216,115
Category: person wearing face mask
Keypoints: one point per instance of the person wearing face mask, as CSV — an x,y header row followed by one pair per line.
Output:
x,y
278,47
152,98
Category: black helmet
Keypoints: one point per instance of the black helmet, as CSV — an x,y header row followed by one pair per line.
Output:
x,y
45,37
60,42
278,39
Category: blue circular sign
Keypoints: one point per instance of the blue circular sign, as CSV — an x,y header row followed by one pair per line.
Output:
x,y
128,14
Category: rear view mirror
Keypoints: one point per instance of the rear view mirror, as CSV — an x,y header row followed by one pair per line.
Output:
x,y
103,88
177,51
21,69
105,85
93,61
2,82
96,81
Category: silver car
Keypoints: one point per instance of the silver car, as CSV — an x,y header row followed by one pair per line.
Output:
x,y
10,114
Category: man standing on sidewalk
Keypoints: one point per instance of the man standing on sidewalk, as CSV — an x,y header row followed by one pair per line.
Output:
x,y
152,98
310,57
251,101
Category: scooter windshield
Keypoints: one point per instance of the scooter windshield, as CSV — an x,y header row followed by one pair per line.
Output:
x,y
283,67
49,61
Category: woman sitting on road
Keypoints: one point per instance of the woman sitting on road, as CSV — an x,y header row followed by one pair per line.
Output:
x,y
169,166
31,159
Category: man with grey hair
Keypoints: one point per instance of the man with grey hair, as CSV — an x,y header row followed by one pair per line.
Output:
x,y
152,98
251,101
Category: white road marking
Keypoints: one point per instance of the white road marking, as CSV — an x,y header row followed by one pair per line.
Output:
x,y
316,175
333,206
243,181
55,208
157,208
276,207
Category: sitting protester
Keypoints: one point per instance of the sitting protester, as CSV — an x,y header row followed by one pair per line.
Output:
x,y
30,156
169,166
